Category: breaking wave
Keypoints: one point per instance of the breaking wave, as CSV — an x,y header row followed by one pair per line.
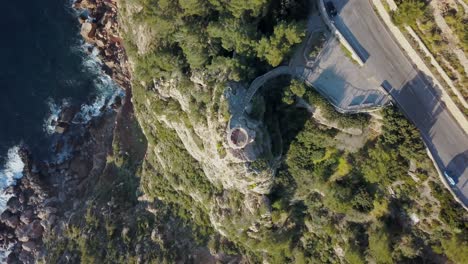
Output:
x,y
106,91
9,173
54,114
104,95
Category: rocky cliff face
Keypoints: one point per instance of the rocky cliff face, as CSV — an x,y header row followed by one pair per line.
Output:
x,y
185,192
231,191
187,156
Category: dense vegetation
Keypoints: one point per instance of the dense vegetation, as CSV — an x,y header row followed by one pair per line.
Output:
x,y
363,204
219,35
409,12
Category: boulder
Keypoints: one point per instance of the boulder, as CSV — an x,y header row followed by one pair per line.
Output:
x,y
68,113
13,221
110,64
36,229
27,216
13,204
6,235
10,189
61,127
33,230
100,43
85,4
9,219
29,246
108,25
88,31
44,213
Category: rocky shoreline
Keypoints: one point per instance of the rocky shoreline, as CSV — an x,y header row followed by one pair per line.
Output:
x,y
44,199
28,212
99,26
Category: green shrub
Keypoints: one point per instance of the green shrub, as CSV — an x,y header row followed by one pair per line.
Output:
x,y
408,12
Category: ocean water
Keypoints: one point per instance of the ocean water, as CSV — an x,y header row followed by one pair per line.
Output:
x,y
44,65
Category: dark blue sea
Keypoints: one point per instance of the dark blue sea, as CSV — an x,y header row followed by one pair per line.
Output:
x,y
44,65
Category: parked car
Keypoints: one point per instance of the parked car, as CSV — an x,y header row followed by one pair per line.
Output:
x,y
331,9
448,175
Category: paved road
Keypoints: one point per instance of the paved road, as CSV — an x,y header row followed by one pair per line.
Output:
x,y
411,89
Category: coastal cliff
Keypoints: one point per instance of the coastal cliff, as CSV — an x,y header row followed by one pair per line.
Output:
x,y
48,194
162,177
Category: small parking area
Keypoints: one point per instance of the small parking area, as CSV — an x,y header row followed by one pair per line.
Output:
x,y
341,80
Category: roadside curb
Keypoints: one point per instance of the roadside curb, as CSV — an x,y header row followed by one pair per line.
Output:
x,y
419,64
443,180
336,32
437,66
393,7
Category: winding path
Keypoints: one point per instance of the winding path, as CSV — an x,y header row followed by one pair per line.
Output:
x,y
261,80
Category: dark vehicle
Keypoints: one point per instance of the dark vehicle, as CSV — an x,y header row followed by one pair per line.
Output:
x,y
331,9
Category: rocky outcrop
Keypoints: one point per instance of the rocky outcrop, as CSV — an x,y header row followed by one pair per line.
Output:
x,y
88,31
44,198
22,218
99,26
35,213
240,202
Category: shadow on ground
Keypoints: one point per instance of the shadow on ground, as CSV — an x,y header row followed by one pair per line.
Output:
x,y
420,101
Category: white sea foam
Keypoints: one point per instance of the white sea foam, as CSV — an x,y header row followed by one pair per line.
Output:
x,y
54,113
9,173
106,91
4,252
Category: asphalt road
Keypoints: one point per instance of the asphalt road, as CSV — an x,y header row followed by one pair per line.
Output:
x,y
411,89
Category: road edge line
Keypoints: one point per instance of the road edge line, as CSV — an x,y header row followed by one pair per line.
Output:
x,y
442,178
337,33
452,108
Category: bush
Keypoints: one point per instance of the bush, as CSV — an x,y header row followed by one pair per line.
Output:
x,y
362,201
409,11
275,48
330,113
294,90
379,245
